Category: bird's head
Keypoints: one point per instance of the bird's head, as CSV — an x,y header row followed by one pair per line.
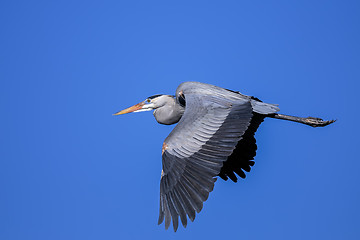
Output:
x,y
151,103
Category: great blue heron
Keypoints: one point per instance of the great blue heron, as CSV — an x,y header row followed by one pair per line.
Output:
x,y
214,137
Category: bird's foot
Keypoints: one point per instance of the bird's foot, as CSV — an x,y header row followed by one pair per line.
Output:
x,y
317,122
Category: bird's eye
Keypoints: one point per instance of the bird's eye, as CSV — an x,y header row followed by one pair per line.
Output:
x,y
147,100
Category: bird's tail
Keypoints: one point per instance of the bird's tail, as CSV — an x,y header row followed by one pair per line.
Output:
x,y
263,108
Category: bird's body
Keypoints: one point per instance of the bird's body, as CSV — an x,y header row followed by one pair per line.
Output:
x,y
214,137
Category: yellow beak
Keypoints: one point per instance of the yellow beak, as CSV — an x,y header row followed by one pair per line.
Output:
x,y
131,109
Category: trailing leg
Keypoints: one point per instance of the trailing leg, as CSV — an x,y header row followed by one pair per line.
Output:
x,y
311,121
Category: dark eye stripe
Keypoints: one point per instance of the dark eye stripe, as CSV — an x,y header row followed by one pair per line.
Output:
x,y
155,96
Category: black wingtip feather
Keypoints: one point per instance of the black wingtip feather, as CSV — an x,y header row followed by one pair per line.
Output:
x,y
241,158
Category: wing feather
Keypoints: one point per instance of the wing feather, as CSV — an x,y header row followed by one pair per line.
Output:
x,y
213,123
180,208
241,158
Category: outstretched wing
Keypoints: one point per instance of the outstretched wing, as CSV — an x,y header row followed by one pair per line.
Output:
x,y
243,155
214,121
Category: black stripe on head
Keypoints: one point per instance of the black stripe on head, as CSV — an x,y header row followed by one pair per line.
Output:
x,y
155,96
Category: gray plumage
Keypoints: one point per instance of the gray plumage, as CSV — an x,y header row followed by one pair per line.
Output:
x,y
167,110
209,130
214,137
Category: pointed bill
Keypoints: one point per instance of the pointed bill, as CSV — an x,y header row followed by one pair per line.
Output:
x,y
131,109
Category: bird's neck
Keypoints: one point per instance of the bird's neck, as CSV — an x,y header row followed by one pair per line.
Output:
x,y
169,113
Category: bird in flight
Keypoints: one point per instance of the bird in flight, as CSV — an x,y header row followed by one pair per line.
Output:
x,y
214,137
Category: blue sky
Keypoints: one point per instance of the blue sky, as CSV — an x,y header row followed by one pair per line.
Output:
x,y
71,170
